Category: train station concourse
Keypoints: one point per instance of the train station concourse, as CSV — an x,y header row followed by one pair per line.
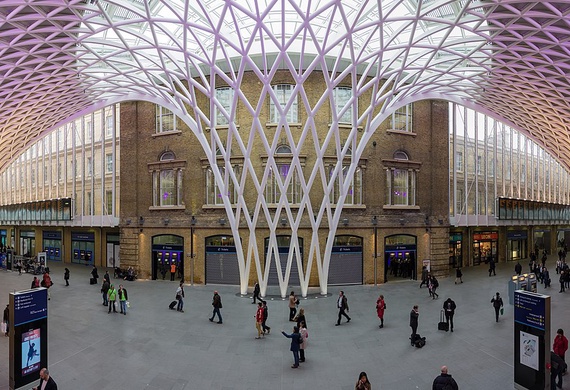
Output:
x,y
300,145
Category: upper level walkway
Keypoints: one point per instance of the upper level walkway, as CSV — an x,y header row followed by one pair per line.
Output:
x,y
156,348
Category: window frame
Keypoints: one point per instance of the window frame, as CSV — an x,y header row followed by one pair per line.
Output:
x,y
284,93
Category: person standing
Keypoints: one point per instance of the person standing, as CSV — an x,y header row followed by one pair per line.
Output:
x,y
424,276
342,305
546,277
123,298
363,383
560,345
46,282
562,280
259,320
256,291
6,320
107,277
497,302
304,336
172,271
449,310
265,316
35,282
46,381
105,291
217,303
293,302
458,275
295,343
112,298
301,318
518,268
380,307
180,297
414,315
94,275
66,276
557,368
444,381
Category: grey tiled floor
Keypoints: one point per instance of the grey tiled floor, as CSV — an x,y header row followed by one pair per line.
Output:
x,y
155,348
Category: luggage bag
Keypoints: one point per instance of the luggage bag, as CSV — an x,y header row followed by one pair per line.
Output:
x,y
419,341
92,281
442,324
172,304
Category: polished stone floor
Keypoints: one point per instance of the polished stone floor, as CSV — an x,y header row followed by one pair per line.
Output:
x,y
155,348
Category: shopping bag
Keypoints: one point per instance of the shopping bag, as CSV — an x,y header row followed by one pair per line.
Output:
x,y
3,327
128,304
502,310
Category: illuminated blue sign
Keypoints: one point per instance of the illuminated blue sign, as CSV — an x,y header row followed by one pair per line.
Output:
x,y
30,305
530,309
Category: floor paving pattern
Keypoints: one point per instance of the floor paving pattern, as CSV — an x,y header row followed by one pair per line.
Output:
x,y
155,348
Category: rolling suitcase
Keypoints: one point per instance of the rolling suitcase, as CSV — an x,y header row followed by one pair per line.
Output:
x,y
92,281
419,341
172,304
442,324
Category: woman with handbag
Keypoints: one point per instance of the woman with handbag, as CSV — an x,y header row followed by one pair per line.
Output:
x,y
380,307
293,302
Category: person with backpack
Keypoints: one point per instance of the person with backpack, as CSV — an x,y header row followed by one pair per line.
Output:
x,y
217,303
497,302
296,341
444,381
432,286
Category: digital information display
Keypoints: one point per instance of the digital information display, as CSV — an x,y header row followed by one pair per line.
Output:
x,y
30,305
530,309
31,344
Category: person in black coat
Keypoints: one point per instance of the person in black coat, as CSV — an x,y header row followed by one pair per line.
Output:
x,y
449,310
414,314
45,377
518,268
444,381
295,344
492,266
557,367
256,291
66,276
497,302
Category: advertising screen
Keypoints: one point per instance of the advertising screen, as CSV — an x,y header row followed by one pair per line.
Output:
x,y
31,343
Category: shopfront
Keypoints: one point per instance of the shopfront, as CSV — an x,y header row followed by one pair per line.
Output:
x,y
455,252
517,245
82,247
485,247
27,243
400,255
167,250
51,242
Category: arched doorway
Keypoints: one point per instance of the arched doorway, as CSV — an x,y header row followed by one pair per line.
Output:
x,y
346,264
222,265
167,249
283,245
400,256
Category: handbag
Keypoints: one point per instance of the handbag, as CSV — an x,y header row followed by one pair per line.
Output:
x,y
128,304
502,310
3,327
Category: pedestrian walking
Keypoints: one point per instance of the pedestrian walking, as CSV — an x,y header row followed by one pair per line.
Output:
x,y
259,320
46,381
172,271
546,277
105,291
107,277
433,284
293,302
518,268
296,340
444,381
492,266
217,304
6,320
66,276
449,310
363,383
256,291
557,368
112,298
265,317
342,305
180,297
94,274
560,345
424,276
123,299
414,315
497,302
380,307
562,281
458,276
304,336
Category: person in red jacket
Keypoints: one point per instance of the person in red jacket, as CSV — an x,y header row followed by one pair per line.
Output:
x,y
560,344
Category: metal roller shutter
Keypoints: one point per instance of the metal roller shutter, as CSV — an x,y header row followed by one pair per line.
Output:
x,y
346,267
222,268
273,280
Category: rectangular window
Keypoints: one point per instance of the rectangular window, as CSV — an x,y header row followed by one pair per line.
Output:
x,y
33,177
401,187
293,190
479,165
459,161
213,193
224,98
342,96
88,131
108,163
109,125
46,178
402,119
88,209
109,203
284,95
165,120
167,188
89,167
354,193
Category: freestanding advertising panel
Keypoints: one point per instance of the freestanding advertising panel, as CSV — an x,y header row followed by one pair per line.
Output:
x,y
28,336
532,341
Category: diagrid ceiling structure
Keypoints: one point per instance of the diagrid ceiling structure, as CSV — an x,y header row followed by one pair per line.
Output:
x,y
60,59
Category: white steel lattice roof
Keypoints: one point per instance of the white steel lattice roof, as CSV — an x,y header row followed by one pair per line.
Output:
x,y
63,58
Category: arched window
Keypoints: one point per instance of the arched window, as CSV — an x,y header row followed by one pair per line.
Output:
x,y
167,175
401,180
